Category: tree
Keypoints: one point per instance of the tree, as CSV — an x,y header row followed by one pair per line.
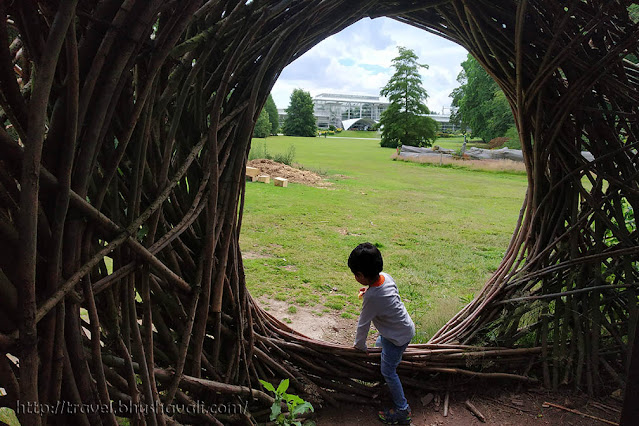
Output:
x,y
273,115
481,104
300,118
404,122
263,125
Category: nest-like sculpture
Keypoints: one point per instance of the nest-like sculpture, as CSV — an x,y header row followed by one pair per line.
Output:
x,y
125,131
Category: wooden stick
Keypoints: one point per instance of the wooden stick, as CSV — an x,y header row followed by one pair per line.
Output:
x,y
580,413
605,407
446,401
475,411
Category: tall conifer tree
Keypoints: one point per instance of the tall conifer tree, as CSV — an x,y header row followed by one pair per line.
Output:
x,y
404,122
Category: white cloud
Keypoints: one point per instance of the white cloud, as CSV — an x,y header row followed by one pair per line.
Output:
x,y
358,60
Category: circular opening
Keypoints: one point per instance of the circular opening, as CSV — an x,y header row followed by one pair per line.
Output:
x,y
442,228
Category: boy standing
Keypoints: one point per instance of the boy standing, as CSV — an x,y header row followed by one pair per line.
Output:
x,y
383,306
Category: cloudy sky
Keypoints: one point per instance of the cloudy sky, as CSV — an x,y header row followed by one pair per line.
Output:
x,y
358,60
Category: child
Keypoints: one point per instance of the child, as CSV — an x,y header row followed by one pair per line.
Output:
x,y
383,306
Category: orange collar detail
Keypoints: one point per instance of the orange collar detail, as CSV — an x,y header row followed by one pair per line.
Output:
x,y
379,281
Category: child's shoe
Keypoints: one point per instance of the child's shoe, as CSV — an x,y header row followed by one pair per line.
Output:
x,y
395,417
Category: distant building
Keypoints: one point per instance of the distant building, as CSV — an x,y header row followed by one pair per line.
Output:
x,y
348,111
359,112
443,119
281,115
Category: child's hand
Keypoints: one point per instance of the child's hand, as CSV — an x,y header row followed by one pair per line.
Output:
x,y
361,292
362,350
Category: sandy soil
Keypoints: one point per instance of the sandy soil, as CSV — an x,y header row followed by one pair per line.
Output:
x,y
274,169
330,327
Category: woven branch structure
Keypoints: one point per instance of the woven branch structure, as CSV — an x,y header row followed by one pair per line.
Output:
x,y
125,131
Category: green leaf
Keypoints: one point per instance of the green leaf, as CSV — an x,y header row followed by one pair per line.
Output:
x,y
267,386
8,416
302,408
276,410
292,399
282,387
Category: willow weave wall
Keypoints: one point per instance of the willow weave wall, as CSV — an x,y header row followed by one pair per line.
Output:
x,y
126,127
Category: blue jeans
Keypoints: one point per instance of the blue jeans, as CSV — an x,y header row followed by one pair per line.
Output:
x,y
391,356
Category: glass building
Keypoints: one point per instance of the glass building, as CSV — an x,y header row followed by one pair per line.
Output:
x,y
360,112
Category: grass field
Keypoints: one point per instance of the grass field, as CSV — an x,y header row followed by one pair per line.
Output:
x,y
448,143
356,134
442,231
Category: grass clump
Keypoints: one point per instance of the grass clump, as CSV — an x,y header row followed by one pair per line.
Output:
x,y
259,151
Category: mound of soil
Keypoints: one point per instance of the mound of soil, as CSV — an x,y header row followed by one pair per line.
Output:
x,y
275,169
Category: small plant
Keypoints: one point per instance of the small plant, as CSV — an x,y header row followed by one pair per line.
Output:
x,y
259,151
285,158
467,298
296,406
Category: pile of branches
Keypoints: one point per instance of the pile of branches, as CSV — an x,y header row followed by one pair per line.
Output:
x,y
125,131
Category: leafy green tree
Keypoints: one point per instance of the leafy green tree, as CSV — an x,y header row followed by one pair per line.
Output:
x,y
262,126
481,104
273,116
300,117
404,121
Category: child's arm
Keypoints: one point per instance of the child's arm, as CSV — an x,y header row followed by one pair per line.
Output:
x,y
364,324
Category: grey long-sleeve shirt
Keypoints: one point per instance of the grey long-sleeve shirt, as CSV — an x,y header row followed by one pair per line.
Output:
x,y
383,306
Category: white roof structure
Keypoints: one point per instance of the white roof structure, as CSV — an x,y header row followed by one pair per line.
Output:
x,y
338,97
349,123
440,118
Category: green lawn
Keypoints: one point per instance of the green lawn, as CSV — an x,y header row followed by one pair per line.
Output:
x,y
356,134
442,231
457,142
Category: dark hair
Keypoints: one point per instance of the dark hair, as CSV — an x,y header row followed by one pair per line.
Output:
x,y
366,259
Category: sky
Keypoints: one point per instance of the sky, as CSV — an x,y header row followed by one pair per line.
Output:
x,y
358,61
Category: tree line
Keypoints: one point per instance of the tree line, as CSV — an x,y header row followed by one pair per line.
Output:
x,y
480,106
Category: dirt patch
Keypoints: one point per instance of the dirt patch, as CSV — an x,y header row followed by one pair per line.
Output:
x,y
327,326
253,255
304,177
313,322
344,231
498,406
